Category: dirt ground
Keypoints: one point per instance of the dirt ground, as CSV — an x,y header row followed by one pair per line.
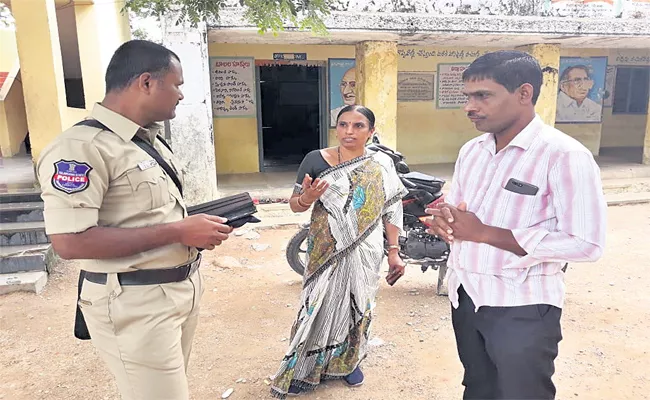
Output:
x,y
251,300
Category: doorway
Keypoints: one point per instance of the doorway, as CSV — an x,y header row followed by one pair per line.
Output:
x,y
291,117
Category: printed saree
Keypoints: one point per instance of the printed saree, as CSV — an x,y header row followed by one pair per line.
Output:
x,y
345,249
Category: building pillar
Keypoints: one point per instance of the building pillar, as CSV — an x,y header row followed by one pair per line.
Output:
x,y
377,86
13,120
41,70
191,132
548,56
101,28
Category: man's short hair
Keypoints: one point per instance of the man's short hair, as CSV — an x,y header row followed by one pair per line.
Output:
x,y
135,58
508,68
565,74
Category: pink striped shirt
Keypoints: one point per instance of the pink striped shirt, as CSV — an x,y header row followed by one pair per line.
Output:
x,y
564,222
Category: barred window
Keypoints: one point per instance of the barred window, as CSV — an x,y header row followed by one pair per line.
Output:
x,y
631,90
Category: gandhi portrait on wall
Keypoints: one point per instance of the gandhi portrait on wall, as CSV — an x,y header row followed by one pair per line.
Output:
x,y
343,90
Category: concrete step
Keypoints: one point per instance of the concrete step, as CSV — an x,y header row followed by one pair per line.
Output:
x,y
626,199
630,185
20,196
15,259
33,281
22,233
6,251
21,212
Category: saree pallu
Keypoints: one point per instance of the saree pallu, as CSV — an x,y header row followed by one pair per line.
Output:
x,y
345,250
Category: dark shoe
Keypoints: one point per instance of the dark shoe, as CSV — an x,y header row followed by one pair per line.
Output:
x,y
294,391
355,378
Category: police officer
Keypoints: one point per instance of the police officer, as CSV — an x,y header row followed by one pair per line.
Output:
x,y
111,205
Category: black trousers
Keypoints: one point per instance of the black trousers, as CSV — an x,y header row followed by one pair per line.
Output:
x,y
507,352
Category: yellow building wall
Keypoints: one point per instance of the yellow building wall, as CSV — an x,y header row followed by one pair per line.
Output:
x,y
8,49
100,27
236,139
13,120
425,134
41,69
624,130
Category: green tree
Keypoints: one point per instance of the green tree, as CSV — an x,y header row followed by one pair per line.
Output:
x,y
6,19
265,14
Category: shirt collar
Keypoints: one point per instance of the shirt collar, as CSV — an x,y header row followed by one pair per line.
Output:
x,y
523,139
564,101
122,126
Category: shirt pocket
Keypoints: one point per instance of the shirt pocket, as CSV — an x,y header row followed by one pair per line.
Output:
x,y
150,187
523,208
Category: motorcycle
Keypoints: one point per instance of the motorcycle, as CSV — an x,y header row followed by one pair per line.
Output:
x,y
417,247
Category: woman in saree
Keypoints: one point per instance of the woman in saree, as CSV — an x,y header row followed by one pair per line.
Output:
x,y
356,195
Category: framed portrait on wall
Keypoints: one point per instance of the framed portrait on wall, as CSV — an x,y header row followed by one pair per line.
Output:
x,y
581,90
342,85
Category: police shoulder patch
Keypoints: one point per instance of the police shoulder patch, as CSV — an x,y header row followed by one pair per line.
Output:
x,y
71,176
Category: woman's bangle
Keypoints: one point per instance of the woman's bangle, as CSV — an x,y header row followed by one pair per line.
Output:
x,y
393,247
301,204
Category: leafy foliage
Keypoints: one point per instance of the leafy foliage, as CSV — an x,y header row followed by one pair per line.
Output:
x,y
265,14
270,14
6,19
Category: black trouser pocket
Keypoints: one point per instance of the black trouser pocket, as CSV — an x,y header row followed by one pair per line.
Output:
x,y
543,309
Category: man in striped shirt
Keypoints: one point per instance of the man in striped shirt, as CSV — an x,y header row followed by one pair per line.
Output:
x,y
525,199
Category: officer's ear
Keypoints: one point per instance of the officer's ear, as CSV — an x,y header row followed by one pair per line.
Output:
x,y
144,82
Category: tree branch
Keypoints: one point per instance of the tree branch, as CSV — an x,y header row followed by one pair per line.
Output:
x,y
267,15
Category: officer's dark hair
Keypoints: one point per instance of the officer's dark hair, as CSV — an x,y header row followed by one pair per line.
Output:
x,y
566,72
135,58
508,68
365,111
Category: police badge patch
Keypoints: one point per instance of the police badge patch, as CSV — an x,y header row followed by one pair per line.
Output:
x,y
71,176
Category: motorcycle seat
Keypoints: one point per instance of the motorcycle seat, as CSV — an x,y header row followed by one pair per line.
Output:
x,y
426,182
394,155
408,184
431,189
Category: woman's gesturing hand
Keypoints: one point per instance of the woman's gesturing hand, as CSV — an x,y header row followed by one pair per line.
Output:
x,y
312,190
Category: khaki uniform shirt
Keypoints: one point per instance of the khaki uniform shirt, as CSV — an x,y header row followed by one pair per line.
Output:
x,y
91,177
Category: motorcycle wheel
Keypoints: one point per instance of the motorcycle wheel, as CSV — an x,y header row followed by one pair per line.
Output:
x,y
297,251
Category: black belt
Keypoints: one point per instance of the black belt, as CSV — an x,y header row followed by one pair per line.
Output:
x,y
149,276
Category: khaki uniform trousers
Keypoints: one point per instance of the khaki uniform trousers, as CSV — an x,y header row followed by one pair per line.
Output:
x,y
144,334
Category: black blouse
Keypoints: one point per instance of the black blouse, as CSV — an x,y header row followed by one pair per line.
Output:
x,y
313,164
